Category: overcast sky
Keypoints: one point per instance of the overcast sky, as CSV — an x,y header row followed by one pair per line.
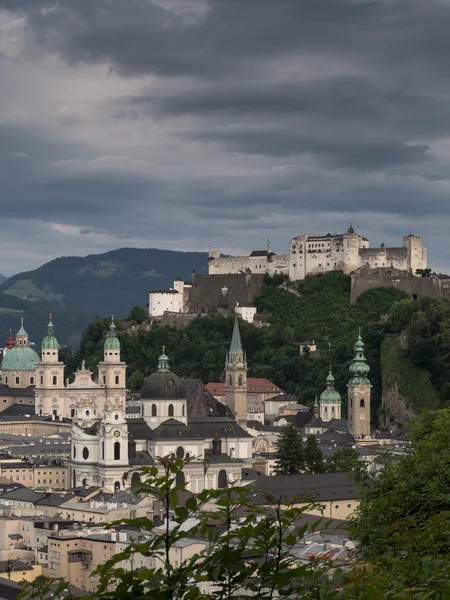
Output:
x,y
165,123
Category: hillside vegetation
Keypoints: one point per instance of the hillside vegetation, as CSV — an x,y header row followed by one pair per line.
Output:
x,y
321,311
76,289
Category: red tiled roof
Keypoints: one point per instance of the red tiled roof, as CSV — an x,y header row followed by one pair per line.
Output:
x,y
256,385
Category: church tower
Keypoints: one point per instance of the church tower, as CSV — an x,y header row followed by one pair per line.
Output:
x,y
50,397
330,401
359,393
236,378
112,372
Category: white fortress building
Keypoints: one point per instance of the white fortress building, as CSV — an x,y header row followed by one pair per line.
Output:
x,y
310,254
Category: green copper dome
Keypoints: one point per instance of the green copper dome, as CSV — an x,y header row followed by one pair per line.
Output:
x,y
50,342
330,394
359,369
112,341
20,359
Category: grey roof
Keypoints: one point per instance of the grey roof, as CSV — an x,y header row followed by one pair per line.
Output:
x,y
17,565
220,458
200,402
27,392
139,430
54,499
209,427
44,449
175,430
316,422
142,458
334,436
23,494
20,409
259,253
319,487
303,418
283,398
245,304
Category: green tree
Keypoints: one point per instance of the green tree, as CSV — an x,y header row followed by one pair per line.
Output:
x,y
137,314
313,456
290,453
400,516
135,381
346,460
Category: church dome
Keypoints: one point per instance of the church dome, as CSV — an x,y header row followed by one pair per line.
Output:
x,y
112,341
330,394
163,385
50,342
20,359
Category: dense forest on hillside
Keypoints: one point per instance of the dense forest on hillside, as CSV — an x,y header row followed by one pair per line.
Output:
x,y
319,310
76,289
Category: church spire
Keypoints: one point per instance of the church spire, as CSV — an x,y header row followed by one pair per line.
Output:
x,y
236,344
112,341
50,342
359,368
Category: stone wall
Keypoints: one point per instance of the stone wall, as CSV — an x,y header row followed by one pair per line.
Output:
x,y
178,320
220,293
368,279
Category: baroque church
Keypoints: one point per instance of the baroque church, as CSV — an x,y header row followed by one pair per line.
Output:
x,y
108,449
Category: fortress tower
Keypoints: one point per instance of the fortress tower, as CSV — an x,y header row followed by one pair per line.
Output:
x,y
236,378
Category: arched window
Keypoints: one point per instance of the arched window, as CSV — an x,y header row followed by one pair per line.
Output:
x,y
104,379
135,479
154,410
117,380
362,403
103,450
55,380
222,479
183,410
74,452
351,401
232,452
84,482
230,380
31,380
117,451
74,479
72,412
85,453
170,410
180,478
240,380
42,380
180,452
116,487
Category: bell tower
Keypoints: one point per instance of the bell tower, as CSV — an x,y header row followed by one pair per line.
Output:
x,y
359,393
50,387
112,371
236,378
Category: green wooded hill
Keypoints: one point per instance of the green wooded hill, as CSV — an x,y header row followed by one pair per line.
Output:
x,y
321,311
76,289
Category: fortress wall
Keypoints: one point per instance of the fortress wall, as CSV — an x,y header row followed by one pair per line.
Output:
x,y
220,293
276,263
414,286
384,257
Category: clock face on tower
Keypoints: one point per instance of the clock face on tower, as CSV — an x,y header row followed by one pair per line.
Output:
x,y
117,434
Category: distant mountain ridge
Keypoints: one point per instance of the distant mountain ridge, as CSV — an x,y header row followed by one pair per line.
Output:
x,y
76,289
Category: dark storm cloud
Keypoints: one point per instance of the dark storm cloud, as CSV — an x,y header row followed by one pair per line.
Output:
x,y
263,109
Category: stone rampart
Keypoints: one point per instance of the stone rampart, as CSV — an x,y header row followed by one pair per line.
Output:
x,y
220,293
433,287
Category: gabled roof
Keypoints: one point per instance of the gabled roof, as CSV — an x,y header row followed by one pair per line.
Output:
x,y
23,495
223,427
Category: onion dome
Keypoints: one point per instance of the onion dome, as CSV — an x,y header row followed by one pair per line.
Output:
x,y
50,342
9,343
330,394
163,385
112,341
21,357
359,369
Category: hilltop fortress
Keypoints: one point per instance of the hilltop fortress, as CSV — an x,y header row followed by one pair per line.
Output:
x,y
310,254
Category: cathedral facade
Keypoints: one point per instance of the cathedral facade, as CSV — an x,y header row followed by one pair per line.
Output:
x,y
109,449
